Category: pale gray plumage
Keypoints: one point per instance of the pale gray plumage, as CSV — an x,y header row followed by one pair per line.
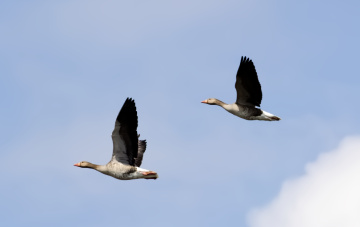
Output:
x,y
249,95
127,149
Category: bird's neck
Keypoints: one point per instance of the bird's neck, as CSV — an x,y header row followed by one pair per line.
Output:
x,y
99,168
220,103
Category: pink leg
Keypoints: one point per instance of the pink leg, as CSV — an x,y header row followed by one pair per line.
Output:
x,y
153,178
148,173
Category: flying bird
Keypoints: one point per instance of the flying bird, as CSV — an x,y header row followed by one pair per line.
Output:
x,y
128,150
249,95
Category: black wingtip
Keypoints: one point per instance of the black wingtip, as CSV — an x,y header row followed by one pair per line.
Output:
x,y
128,113
245,59
129,100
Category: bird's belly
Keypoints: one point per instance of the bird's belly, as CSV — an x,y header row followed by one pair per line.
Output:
x,y
240,112
120,171
244,112
126,176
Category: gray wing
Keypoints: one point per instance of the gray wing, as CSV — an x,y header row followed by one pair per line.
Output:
x,y
247,84
141,151
124,135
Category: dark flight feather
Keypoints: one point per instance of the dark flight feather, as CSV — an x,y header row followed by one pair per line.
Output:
x,y
128,120
247,84
141,151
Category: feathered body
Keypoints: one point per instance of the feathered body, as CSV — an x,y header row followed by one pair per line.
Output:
x,y
128,151
249,95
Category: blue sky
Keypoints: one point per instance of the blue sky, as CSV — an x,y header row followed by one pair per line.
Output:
x,y
66,68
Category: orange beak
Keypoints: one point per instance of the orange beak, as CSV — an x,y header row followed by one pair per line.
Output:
x,y
77,164
205,101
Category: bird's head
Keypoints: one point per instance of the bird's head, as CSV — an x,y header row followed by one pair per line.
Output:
x,y
210,101
83,164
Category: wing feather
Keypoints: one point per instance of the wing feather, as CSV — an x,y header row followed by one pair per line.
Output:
x,y
141,151
247,84
124,135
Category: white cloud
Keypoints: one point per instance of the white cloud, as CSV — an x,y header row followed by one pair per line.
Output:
x,y
328,195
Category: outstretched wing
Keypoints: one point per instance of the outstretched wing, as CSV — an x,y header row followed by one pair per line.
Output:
x,y
141,151
247,84
124,136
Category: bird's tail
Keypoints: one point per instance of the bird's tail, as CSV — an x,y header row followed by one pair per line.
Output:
x,y
269,117
147,174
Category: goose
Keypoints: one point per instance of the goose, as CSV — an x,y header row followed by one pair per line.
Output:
x,y
249,95
128,150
